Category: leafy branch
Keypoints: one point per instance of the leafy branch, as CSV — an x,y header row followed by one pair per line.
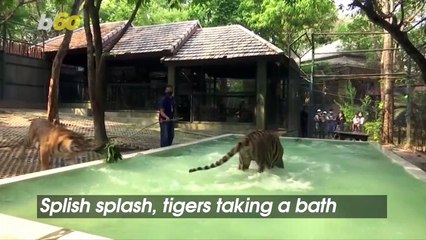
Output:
x,y
12,13
375,14
113,154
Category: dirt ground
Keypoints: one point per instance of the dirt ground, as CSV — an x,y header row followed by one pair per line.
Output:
x,y
416,158
128,137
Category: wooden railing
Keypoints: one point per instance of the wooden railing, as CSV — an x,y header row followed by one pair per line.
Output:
x,y
21,48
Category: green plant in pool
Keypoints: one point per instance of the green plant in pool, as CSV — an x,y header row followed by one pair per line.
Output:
x,y
112,153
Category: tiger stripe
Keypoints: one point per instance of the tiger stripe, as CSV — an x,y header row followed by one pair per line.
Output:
x,y
262,146
54,140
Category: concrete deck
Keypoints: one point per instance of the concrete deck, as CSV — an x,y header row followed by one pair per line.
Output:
x,y
12,228
14,125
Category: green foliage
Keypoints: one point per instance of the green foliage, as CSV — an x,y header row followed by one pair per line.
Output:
x,y
22,25
408,16
151,12
18,20
216,12
360,23
348,106
113,10
283,21
278,21
372,111
158,12
112,154
366,103
417,36
374,125
373,129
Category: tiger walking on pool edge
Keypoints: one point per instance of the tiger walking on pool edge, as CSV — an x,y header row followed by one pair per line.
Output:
x,y
54,140
263,147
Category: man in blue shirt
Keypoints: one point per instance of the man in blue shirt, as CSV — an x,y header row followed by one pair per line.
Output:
x,y
167,111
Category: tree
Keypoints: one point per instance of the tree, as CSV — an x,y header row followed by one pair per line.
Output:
x,y
153,12
280,22
96,63
10,8
13,16
22,24
397,29
365,41
216,12
387,81
53,97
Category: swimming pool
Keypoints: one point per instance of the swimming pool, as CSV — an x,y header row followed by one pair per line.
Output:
x,y
312,167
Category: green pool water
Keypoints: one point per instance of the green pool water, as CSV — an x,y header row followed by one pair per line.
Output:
x,y
312,167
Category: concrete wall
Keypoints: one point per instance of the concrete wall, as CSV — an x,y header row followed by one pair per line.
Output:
x,y
24,79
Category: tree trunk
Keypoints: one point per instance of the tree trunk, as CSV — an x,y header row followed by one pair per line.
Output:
x,y
101,137
98,113
388,83
408,113
96,65
53,97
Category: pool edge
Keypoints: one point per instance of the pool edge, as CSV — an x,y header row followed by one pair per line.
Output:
x,y
412,169
73,167
20,222
14,224
12,229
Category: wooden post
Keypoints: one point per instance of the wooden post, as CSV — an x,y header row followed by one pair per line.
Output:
x,y
293,122
261,85
171,80
311,113
408,112
171,76
3,62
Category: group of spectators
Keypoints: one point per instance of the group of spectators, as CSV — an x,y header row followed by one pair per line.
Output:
x,y
326,123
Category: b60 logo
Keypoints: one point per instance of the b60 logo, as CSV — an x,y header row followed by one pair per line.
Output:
x,y
62,21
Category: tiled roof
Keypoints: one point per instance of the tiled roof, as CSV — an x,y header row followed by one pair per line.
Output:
x,y
78,40
233,41
156,38
177,41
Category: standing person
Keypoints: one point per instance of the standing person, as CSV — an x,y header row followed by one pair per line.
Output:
x,y
323,124
331,124
340,120
167,111
304,122
361,121
317,119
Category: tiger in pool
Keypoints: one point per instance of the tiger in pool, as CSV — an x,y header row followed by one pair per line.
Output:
x,y
262,146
